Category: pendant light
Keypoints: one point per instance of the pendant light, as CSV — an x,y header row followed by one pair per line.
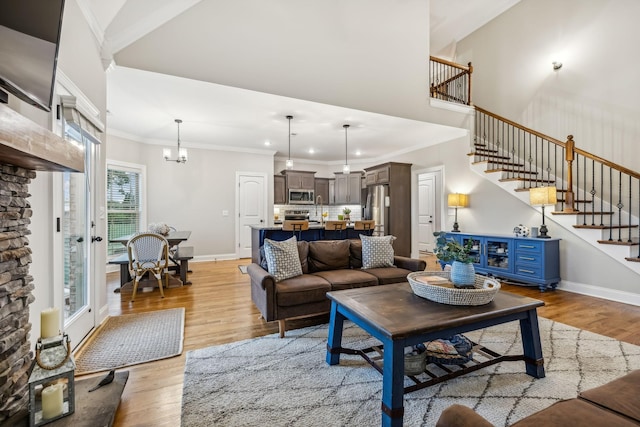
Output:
x,y
345,168
289,163
182,152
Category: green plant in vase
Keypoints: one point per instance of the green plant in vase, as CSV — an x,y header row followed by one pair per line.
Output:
x,y
347,214
449,250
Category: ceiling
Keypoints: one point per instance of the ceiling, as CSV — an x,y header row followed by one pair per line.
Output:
x,y
143,104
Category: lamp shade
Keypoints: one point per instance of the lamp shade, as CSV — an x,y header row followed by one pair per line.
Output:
x,y
457,200
542,196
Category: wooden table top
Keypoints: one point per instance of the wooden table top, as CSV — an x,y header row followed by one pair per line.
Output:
x,y
399,313
174,237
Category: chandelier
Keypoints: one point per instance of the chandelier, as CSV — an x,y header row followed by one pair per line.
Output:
x,y
182,152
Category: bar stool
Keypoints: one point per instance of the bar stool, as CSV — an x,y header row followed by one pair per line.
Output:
x,y
335,226
365,225
295,226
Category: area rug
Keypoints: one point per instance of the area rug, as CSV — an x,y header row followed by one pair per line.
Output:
x,y
132,339
243,269
270,381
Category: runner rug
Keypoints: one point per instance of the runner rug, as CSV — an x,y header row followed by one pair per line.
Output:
x,y
132,339
269,381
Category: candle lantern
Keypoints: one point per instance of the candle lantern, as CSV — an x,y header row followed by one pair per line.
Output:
x,y
51,387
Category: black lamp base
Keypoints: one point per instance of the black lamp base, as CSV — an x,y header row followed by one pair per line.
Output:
x,y
456,229
543,232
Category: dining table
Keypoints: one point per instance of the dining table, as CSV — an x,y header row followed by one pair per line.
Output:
x,y
174,238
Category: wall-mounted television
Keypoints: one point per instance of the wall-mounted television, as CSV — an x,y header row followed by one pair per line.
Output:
x,y
29,41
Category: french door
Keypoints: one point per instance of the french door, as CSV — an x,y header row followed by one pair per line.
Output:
x,y
75,226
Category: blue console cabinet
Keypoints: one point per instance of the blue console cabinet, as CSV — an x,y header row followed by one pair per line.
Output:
x,y
531,261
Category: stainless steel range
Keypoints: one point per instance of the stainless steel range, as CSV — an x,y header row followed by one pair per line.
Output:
x,y
296,214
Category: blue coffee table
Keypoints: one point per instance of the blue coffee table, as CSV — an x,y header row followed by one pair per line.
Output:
x,y
398,318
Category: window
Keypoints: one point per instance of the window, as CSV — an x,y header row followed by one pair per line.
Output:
x,y
124,203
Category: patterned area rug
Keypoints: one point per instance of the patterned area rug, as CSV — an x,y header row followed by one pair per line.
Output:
x,y
132,339
276,382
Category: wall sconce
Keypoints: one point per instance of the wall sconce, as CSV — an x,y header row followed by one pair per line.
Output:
x,y
457,200
556,65
543,196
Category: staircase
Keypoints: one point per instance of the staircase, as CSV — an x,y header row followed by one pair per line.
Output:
x,y
598,200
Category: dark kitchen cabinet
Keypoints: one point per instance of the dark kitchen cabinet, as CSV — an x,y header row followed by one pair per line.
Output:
x,y
322,190
300,180
279,190
347,188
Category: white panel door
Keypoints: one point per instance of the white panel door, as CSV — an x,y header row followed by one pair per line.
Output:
x,y
426,211
251,209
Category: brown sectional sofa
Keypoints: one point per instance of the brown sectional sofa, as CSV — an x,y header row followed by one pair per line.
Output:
x,y
327,265
615,404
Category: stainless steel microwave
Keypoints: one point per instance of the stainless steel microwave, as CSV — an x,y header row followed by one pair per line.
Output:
x,y
301,197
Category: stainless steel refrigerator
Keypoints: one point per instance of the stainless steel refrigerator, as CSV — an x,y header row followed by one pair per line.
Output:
x,y
376,207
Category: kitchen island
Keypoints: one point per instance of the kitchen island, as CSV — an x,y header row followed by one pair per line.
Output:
x,y
316,231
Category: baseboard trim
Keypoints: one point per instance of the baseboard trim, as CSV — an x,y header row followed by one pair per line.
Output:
x,y
600,292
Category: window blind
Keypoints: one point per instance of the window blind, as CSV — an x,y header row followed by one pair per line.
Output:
x,y
124,209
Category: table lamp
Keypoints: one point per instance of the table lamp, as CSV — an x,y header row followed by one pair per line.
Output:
x,y
457,200
543,196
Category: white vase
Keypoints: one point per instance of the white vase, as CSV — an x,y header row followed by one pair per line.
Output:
x,y
462,274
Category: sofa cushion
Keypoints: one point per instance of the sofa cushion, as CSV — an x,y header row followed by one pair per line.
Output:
x,y
283,260
355,253
302,289
328,255
377,251
303,253
388,275
574,412
461,416
620,395
347,279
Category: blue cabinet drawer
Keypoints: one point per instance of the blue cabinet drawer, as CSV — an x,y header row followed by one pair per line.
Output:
x,y
528,270
528,257
528,246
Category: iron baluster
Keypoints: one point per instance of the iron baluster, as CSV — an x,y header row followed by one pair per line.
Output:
x,y
620,206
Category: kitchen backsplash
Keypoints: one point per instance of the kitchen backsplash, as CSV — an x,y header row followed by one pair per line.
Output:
x,y
314,211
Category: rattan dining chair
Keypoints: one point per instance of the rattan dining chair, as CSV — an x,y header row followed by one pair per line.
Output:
x,y
148,252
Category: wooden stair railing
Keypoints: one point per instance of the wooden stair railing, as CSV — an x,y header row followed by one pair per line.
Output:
x,y
450,81
602,194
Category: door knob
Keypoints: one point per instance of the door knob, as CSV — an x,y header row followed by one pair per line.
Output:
x,y
96,239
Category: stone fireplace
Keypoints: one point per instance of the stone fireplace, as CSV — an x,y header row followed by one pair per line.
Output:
x,y
16,286
25,147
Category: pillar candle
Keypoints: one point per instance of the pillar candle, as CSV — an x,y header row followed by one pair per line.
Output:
x,y
52,404
50,322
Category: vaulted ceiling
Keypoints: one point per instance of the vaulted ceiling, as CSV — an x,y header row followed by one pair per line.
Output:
x,y
232,77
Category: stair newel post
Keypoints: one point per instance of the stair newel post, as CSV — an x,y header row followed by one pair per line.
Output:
x,y
568,195
469,85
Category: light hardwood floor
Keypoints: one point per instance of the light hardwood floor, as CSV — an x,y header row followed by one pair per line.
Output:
x,y
219,310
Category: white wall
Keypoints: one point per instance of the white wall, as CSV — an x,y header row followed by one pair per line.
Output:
x,y
593,96
192,196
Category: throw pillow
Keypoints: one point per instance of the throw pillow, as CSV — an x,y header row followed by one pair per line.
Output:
x,y
283,261
377,251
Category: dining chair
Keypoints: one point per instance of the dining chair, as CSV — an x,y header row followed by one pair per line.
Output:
x,y
295,226
148,252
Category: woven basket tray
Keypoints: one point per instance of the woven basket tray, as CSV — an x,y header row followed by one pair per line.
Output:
x,y
485,289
